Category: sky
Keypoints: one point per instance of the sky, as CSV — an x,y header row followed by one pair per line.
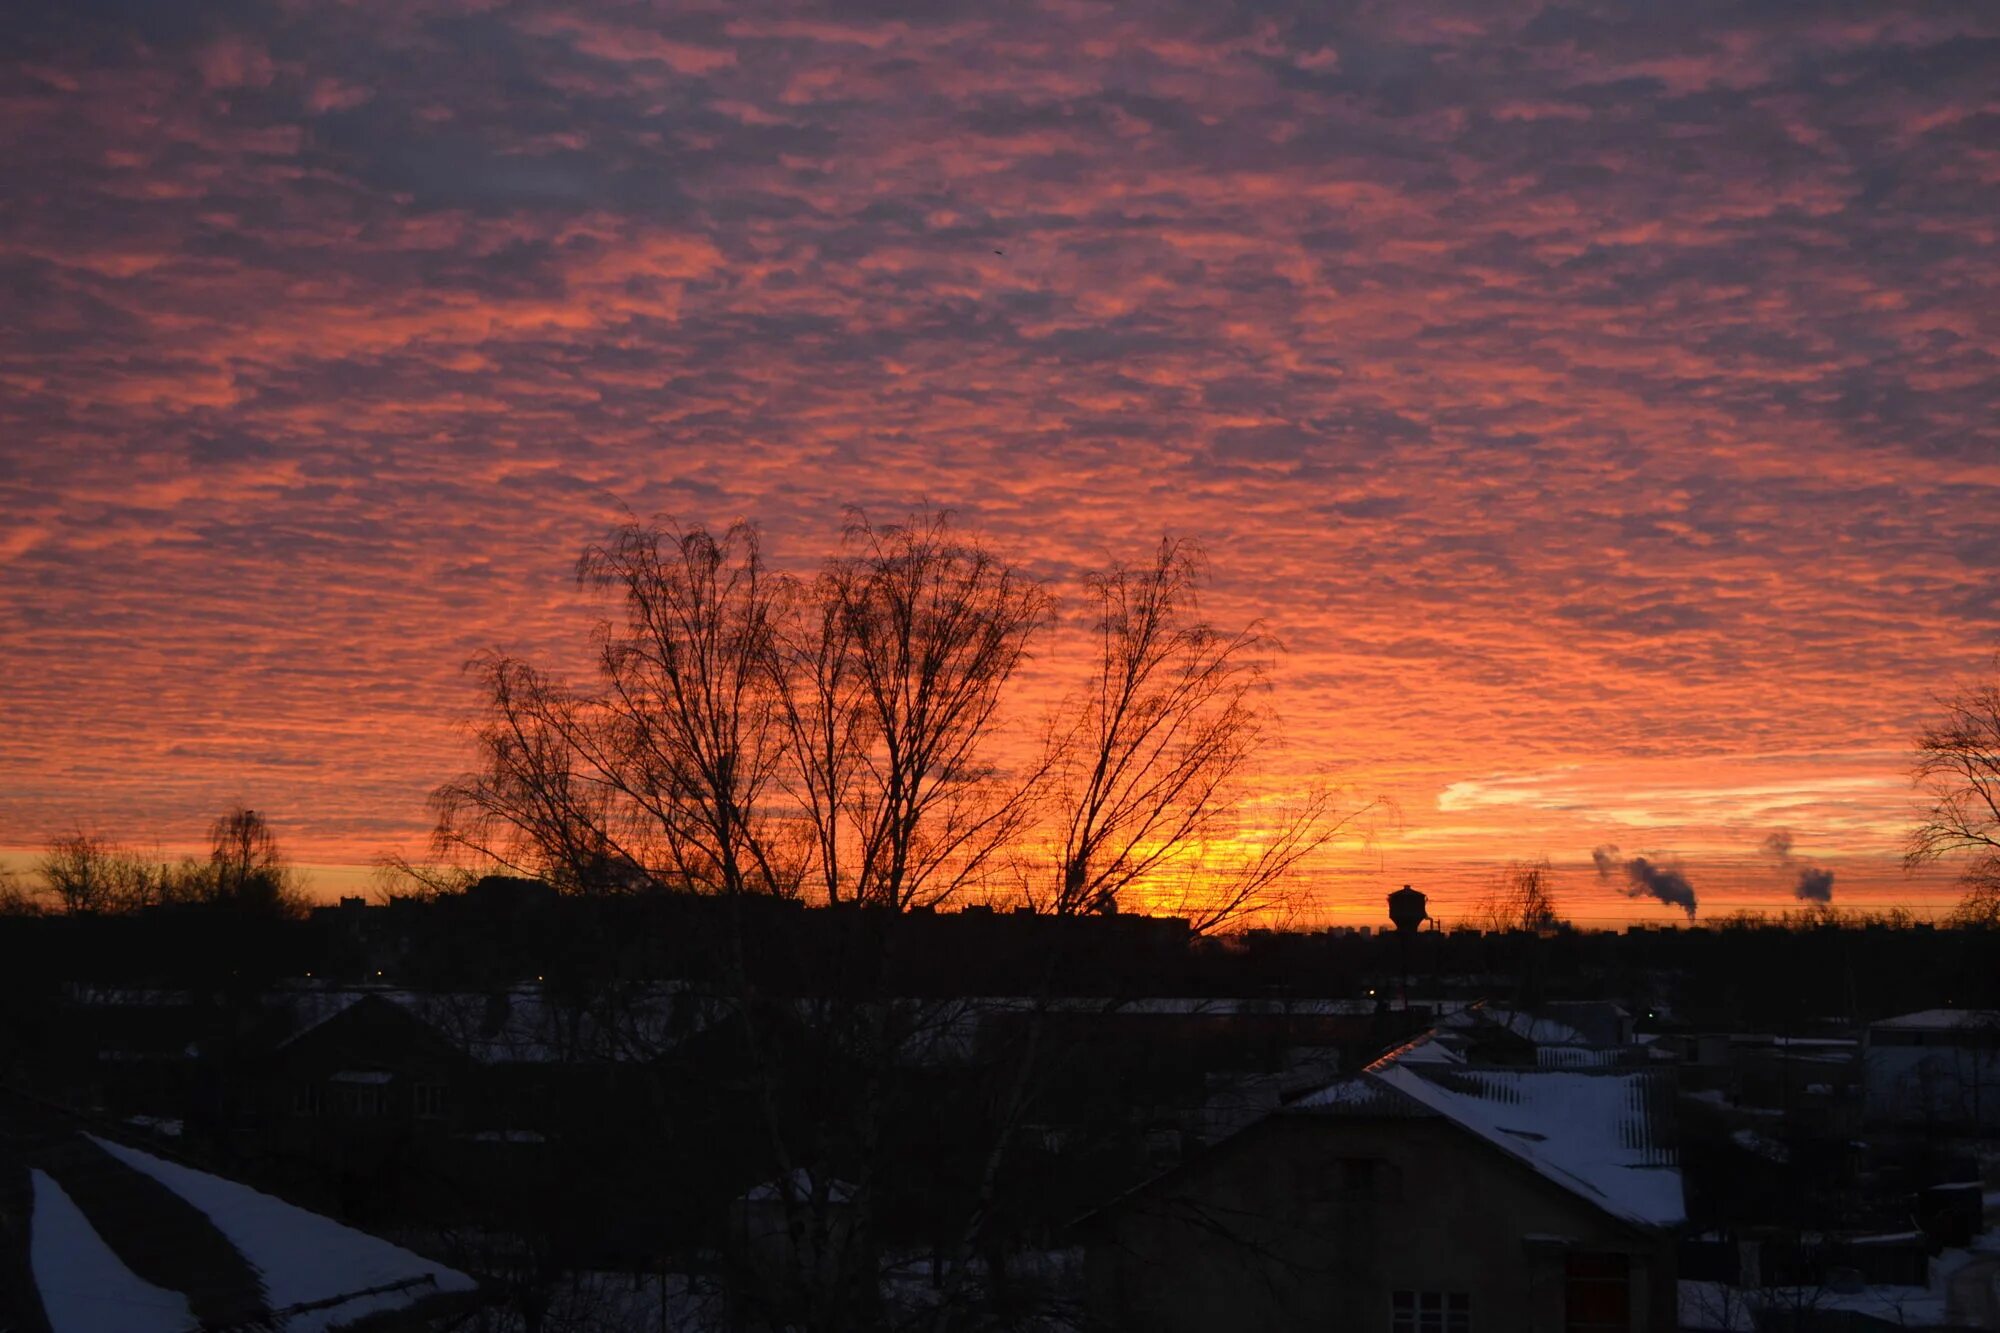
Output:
x,y
1597,400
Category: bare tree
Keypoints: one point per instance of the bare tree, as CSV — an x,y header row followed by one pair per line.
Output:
x,y
690,729
661,777
750,734
1520,900
814,671
402,878
86,872
246,869
896,677
1958,771
1149,765
532,806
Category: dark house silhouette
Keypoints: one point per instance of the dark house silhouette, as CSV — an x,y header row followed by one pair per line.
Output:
x,y
1412,1198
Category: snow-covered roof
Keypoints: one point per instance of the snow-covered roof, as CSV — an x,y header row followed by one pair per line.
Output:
x,y
93,996
1359,1095
118,1238
524,1025
303,1258
1427,1050
517,1026
1940,1020
1539,1031
1578,1057
1598,1133
81,1281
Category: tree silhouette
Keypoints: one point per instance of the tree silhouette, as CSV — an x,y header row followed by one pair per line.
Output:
x,y
246,870
1958,771
932,625
733,712
1521,900
86,872
1148,765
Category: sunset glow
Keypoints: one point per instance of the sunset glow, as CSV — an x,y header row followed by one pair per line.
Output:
x,y
1598,402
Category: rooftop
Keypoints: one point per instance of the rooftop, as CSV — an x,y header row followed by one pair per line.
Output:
x,y
1599,1133
112,1237
1940,1020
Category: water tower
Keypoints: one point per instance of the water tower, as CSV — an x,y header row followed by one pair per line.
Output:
x,y
1406,909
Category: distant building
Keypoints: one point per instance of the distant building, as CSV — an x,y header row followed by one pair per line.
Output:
x,y
1581,1035
1937,1069
1415,1197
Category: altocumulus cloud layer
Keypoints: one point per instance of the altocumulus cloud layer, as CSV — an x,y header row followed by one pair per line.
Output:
x,y
1599,400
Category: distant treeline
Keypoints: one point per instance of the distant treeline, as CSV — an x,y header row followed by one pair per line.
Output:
x,y
1791,968
85,872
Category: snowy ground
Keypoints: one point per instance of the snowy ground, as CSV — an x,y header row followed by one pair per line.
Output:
x,y
1964,1292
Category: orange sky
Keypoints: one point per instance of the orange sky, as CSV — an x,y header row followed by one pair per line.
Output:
x,y
1599,401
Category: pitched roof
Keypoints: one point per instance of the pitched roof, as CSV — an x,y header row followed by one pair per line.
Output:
x,y
106,1236
517,1026
1599,1133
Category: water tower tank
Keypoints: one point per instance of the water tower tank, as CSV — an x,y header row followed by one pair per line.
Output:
x,y
1406,908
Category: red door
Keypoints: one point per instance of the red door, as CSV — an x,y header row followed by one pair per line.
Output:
x,y
1597,1294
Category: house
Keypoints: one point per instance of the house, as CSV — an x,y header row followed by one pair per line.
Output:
x,y
1422,1196
98,1235
390,1107
1937,1069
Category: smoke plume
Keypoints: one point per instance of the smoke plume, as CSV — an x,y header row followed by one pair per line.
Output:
x,y
1811,882
1815,885
1665,881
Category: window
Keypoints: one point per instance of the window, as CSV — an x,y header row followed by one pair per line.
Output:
x,y
429,1100
1430,1312
309,1099
362,1092
1597,1294
361,1102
